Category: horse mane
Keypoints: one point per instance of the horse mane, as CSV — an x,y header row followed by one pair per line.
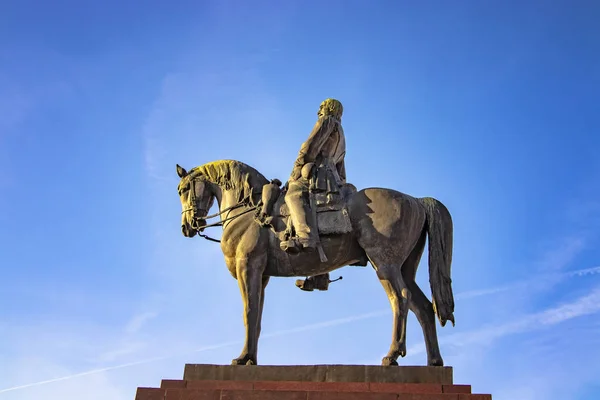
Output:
x,y
233,175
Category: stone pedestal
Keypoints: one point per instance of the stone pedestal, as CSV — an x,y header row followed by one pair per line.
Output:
x,y
311,382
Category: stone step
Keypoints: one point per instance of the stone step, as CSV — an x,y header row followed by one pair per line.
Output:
x,y
224,394
319,373
317,386
311,382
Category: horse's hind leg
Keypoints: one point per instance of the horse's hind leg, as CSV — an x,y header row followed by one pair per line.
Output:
x,y
423,309
421,306
390,276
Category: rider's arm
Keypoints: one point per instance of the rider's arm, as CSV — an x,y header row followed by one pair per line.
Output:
x,y
319,135
341,168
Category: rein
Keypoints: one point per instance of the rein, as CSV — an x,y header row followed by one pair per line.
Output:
x,y
222,222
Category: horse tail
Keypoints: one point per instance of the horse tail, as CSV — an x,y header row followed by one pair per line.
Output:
x,y
440,229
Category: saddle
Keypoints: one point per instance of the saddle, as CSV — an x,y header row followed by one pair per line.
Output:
x,y
331,210
332,218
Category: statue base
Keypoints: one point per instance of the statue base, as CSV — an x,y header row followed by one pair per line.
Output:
x,y
311,382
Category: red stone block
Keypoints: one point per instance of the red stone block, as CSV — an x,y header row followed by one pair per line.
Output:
x,y
313,386
172,384
261,395
308,384
456,388
351,396
475,397
149,394
225,385
405,387
427,396
192,394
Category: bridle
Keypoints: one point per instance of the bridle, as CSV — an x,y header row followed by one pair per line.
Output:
x,y
194,203
199,211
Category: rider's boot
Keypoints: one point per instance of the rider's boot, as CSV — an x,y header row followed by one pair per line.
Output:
x,y
298,243
306,240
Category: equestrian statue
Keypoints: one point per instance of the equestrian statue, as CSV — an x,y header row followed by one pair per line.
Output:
x,y
317,223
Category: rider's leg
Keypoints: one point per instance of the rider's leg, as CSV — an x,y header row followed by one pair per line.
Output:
x,y
297,204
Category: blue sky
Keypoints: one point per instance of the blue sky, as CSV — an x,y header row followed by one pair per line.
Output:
x,y
489,107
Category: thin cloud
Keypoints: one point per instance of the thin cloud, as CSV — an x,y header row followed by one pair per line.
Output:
x,y
484,292
526,283
563,253
320,325
15,103
125,349
585,305
91,372
584,272
136,323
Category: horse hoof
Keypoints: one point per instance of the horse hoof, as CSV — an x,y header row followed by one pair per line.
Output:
x,y
436,362
243,361
388,362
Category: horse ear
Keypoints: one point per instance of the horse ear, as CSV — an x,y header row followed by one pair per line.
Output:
x,y
181,171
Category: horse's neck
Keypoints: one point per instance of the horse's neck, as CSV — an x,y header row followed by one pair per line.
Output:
x,y
231,208
227,199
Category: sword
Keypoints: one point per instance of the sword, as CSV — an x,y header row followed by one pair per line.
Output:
x,y
313,208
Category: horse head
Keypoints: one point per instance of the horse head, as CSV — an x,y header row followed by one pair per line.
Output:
x,y
196,198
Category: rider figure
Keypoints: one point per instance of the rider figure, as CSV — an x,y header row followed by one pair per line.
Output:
x,y
319,167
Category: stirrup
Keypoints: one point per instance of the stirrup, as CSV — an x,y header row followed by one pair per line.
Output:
x,y
295,245
310,284
291,246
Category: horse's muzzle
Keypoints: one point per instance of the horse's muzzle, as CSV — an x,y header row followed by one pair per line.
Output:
x,y
188,231
198,224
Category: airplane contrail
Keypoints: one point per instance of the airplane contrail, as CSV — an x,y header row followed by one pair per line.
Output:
x,y
318,325
304,328
583,272
93,371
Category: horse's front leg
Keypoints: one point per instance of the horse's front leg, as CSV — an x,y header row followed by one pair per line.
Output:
x,y
249,271
265,281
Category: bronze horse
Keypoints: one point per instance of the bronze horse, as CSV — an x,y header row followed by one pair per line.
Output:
x,y
389,229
